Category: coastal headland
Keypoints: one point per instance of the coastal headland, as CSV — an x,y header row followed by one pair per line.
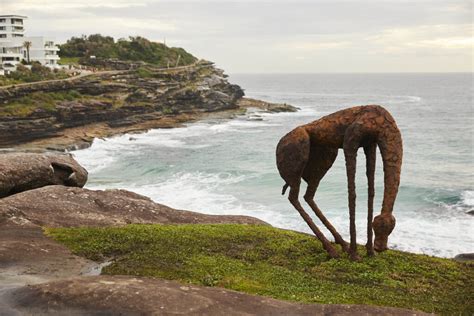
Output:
x,y
65,249
68,114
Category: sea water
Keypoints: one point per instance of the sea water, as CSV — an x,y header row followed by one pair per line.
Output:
x,y
224,166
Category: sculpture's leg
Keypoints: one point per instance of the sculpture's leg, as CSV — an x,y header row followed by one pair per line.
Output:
x,y
320,161
293,197
351,144
370,155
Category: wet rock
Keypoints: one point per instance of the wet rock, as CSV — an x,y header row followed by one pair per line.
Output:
x,y
266,106
27,256
470,212
60,206
277,108
25,171
119,295
463,257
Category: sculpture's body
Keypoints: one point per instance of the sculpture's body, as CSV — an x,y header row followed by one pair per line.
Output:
x,y
308,151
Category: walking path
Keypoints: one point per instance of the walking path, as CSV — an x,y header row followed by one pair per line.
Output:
x,y
86,73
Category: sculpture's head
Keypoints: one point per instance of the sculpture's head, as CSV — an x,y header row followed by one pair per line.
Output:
x,y
383,225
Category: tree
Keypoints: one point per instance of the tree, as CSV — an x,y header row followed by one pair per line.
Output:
x,y
27,45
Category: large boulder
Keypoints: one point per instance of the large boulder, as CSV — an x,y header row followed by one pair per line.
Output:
x,y
464,257
27,256
60,206
25,171
124,295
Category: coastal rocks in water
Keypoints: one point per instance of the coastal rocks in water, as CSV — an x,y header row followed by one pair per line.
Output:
x,y
470,212
266,106
25,171
463,257
114,295
60,206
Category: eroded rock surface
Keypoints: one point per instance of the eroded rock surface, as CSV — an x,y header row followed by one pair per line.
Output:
x,y
60,206
123,295
25,171
28,256
464,257
116,98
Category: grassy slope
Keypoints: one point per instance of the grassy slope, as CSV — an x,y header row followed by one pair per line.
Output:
x,y
44,101
277,263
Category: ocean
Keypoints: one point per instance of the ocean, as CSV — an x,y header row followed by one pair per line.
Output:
x,y
223,166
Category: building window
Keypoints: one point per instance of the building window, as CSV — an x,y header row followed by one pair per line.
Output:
x,y
17,21
17,35
2,20
3,35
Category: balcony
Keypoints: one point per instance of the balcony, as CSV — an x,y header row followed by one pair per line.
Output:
x,y
11,54
50,56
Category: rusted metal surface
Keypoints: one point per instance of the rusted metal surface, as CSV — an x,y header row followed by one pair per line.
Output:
x,y
308,151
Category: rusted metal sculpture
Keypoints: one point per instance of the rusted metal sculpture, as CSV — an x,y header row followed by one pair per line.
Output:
x,y
309,151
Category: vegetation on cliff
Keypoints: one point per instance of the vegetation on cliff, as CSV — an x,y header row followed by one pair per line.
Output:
x,y
38,102
131,49
277,263
36,72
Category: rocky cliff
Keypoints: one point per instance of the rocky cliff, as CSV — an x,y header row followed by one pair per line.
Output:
x,y
117,98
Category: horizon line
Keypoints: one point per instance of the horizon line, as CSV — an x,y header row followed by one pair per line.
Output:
x,y
351,73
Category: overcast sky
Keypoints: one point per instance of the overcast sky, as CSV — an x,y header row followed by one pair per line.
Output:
x,y
277,36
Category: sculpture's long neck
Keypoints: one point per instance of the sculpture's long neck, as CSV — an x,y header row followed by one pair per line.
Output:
x,y
391,149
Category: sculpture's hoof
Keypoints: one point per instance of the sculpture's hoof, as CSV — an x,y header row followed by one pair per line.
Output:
x,y
344,246
354,257
333,255
331,252
370,251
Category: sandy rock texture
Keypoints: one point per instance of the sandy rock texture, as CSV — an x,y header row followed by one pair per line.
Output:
x,y
124,295
25,171
28,256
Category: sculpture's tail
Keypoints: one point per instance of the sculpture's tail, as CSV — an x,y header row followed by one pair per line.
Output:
x,y
284,188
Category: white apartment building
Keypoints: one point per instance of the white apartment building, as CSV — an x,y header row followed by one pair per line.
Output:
x,y
12,45
11,41
43,50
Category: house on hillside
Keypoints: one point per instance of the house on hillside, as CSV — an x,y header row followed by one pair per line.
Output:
x,y
15,46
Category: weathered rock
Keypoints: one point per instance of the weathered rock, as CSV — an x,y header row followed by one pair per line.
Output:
x,y
266,106
25,171
118,98
27,256
463,257
124,295
60,206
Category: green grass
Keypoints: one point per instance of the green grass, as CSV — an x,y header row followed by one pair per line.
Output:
x,y
277,263
69,61
37,101
5,81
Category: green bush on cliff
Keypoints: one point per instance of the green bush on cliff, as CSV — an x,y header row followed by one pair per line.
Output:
x,y
132,49
37,102
277,263
36,73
